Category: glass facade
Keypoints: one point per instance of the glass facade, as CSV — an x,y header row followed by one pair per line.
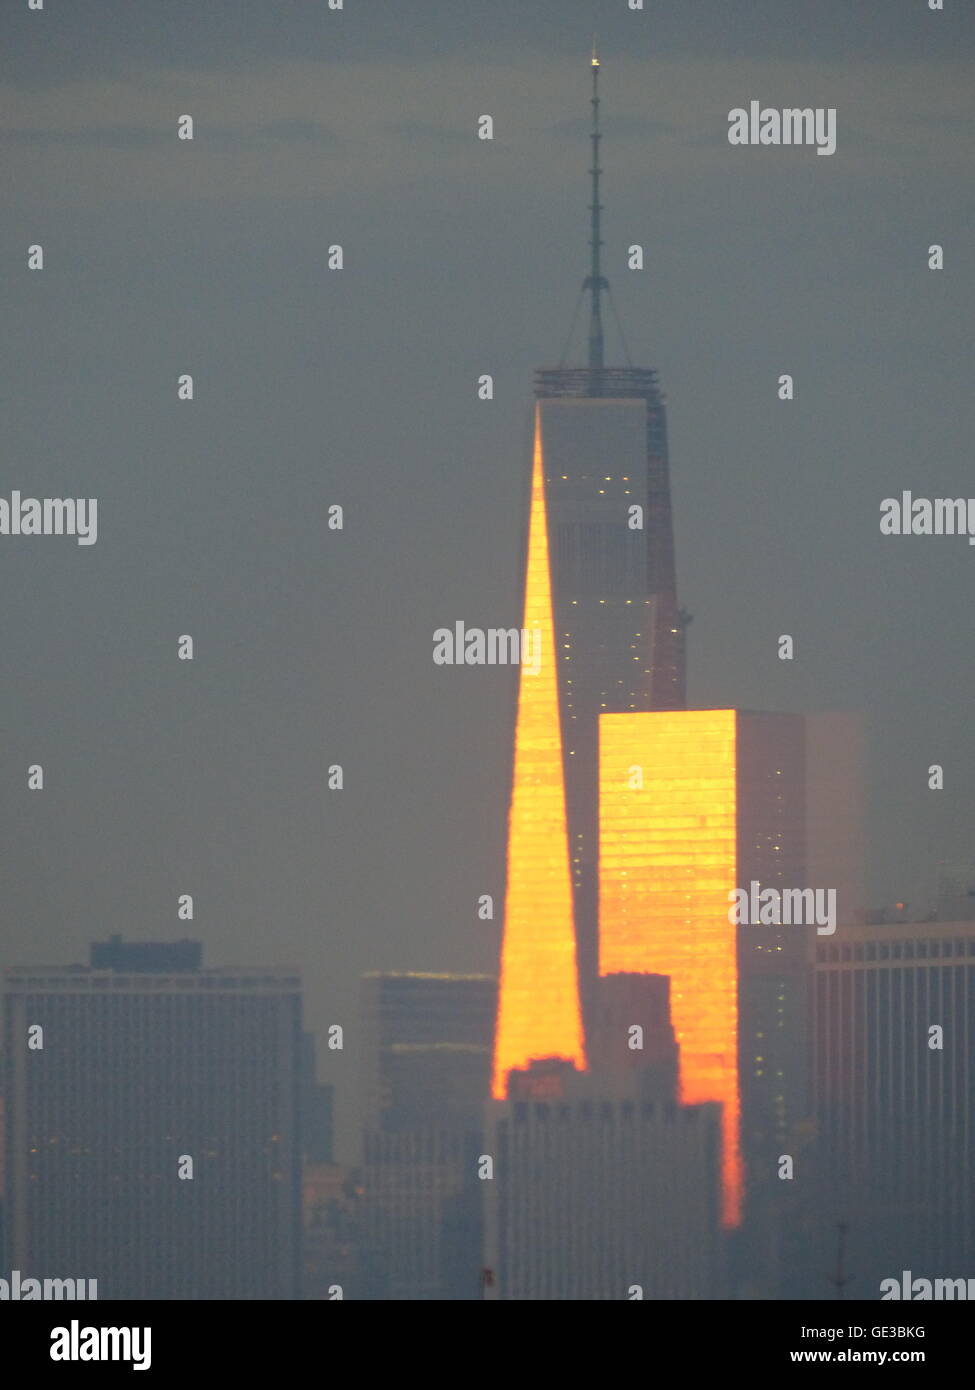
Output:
x,y
538,1007
668,858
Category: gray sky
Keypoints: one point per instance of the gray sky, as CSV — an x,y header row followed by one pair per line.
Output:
x,y
462,257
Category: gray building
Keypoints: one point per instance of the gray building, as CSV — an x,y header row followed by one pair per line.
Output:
x,y
602,1194
426,1070
152,1110
426,1048
421,1214
894,1155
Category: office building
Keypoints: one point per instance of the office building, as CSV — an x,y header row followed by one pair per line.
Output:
x,y
426,1048
893,1024
426,1054
601,1192
152,1120
694,806
619,632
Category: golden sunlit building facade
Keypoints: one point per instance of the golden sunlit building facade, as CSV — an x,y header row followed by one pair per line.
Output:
x,y
694,805
668,858
538,1005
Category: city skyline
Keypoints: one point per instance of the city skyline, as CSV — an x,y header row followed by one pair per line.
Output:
x,y
359,464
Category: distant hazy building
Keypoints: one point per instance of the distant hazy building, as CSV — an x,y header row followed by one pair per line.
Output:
x,y
317,1105
956,892
332,1228
426,1073
123,1075
426,1048
835,802
422,1234
895,1099
601,1195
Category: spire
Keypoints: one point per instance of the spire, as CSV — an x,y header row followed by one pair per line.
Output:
x,y
594,281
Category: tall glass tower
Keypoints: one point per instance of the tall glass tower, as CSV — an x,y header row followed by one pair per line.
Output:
x,y
619,632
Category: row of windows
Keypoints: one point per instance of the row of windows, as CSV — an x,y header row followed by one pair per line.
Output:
x,y
606,1110
147,982
896,950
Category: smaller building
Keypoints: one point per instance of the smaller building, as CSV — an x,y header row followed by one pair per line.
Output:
x,y
422,1234
333,1265
601,1196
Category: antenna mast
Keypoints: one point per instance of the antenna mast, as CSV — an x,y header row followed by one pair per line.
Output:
x,y
594,281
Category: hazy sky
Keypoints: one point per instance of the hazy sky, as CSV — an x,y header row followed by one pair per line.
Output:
x,y
358,387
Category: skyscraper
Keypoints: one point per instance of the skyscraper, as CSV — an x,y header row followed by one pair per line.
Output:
x,y
152,1126
668,858
728,799
604,1186
600,588
695,804
619,632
